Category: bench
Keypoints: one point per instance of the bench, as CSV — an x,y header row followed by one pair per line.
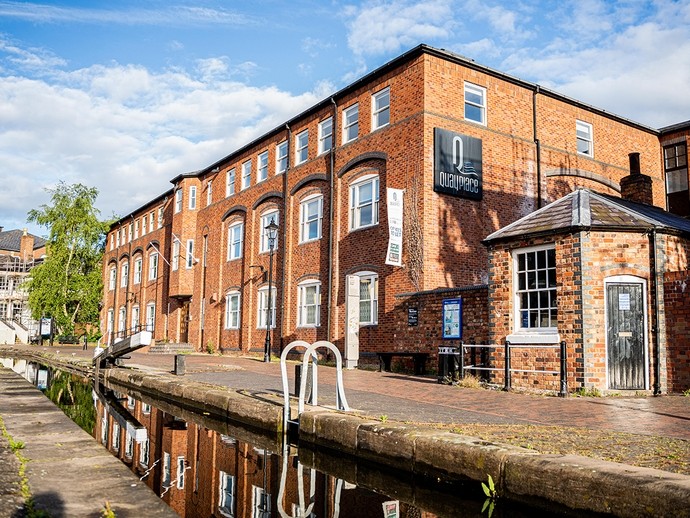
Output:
x,y
418,358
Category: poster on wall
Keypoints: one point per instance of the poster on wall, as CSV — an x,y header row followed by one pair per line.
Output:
x,y
457,164
394,199
452,319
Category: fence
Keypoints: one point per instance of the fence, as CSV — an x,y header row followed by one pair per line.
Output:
x,y
483,365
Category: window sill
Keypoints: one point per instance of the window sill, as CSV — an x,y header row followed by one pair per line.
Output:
x,y
534,338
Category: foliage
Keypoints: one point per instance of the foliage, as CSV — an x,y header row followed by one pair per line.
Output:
x,y
74,397
383,418
491,496
686,393
210,348
68,284
584,392
107,511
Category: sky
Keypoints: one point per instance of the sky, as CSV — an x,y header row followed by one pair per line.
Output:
x,y
124,96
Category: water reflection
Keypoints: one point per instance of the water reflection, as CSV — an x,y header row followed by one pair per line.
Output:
x,y
201,467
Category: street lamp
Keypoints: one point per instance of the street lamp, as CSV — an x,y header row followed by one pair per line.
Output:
x,y
271,234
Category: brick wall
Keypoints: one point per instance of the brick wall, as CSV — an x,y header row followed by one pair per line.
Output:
x,y
677,321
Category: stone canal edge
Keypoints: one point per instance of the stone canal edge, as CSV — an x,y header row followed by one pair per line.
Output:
x,y
574,481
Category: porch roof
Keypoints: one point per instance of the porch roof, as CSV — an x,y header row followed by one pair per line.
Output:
x,y
586,209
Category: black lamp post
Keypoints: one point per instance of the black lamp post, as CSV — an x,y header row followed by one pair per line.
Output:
x,y
271,234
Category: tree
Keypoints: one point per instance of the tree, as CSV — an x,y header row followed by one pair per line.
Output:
x,y
68,284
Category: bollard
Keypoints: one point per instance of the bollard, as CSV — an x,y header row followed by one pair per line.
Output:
x,y
179,364
564,371
298,381
506,381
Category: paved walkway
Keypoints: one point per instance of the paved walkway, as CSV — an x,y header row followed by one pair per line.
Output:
x,y
421,399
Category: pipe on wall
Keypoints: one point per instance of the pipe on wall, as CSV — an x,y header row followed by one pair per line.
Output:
x,y
535,134
329,335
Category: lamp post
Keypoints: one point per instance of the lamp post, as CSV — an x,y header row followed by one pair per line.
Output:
x,y
271,234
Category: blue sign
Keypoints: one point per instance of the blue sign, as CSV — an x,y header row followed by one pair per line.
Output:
x,y
452,319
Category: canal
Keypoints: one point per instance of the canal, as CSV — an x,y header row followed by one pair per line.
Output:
x,y
201,467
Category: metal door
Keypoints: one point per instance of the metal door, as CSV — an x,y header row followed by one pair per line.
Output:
x,y
625,336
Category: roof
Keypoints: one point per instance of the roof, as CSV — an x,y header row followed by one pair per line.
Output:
x,y
11,240
584,209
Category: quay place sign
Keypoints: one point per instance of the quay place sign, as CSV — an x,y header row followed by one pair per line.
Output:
x,y
457,164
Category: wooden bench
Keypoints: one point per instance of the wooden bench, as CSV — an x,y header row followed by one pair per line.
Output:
x,y
418,358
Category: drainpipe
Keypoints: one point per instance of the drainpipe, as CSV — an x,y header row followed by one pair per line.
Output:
x,y
284,228
655,328
330,225
536,142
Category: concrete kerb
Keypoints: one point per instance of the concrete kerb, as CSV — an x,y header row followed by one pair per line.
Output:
x,y
574,481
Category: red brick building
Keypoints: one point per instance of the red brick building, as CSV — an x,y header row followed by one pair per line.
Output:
x,y
468,149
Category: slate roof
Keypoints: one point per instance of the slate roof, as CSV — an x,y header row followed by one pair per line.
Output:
x,y
585,209
10,240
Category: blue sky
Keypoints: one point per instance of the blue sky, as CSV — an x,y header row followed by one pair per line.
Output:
x,y
124,96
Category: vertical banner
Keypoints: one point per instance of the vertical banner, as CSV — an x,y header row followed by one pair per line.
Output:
x,y
351,321
394,199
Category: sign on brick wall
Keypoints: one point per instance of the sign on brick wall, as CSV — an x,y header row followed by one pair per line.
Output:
x,y
457,164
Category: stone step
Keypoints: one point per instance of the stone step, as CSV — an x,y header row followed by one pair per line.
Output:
x,y
171,348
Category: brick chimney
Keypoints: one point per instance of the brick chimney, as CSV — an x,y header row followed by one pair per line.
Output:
x,y
26,246
637,186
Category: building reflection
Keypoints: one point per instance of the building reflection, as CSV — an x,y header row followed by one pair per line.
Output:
x,y
200,472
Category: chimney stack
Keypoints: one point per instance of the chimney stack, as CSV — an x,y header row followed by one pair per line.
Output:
x,y
26,247
637,187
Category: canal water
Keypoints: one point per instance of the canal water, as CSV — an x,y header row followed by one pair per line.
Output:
x,y
201,467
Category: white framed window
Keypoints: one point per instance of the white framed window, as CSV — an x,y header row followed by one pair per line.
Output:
x,y
144,453
117,236
124,275
121,321
302,147
261,502
350,123
262,306
209,192
175,259
146,408
585,141
130,232
150,316
136,229
311,217
104,430
265,220
534,289
110,324
153,266
309,304
180,472
232,310
129,446
475,103
160,218
113,278
226,494
137,270
151,219
112,241
192,197
381,109
368,298
116,437
178,200
364,202
281,157
166,470
235,237
131,402
190,253
325,135
262,167
230,182
246,174
144,225
135,318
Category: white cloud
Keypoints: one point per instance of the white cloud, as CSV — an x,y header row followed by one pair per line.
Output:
x,y
382,27
126,130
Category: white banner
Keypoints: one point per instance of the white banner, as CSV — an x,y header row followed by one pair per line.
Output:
x,y
395,226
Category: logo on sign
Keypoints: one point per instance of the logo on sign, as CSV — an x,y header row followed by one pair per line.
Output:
x,y
457,164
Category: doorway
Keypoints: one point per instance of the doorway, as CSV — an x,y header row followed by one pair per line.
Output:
x,y
184,322
626,350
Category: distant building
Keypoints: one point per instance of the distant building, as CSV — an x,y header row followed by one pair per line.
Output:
x,y
19,253
468,150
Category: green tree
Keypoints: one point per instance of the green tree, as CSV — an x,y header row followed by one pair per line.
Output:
x,y
68,284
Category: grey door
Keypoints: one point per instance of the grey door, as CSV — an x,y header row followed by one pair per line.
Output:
x,y
625,336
